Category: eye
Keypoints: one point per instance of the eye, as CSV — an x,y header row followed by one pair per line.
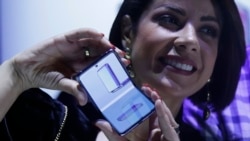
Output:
x,y
210,31
168,21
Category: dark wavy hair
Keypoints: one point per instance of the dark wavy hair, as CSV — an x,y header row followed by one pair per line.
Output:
x,y
231,51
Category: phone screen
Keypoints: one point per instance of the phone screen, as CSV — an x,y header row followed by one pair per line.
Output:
x,y
114,94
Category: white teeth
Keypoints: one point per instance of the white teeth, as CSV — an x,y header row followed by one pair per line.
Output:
x,y
184,67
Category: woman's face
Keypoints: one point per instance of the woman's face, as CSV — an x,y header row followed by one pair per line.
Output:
x,y
176,45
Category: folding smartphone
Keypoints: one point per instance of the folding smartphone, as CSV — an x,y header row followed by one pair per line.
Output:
x,y
113,94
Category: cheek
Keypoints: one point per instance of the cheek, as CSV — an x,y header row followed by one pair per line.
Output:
x,y
149,35
142,56
148,41
145,47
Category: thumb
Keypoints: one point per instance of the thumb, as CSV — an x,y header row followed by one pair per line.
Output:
x,y
72,87
111,134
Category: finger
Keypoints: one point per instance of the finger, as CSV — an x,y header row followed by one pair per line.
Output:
x,y
153,123
162,116
146,90
83,33
95,46
95,42
171,118
72,87
120,52
125,61
164,121
150,92
155,135
154,96
108,131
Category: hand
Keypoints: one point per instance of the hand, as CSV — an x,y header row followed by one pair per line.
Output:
x,y
52,63
109,132
165,129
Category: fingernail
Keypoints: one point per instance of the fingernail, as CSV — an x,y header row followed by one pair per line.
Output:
x,y
156,94
148,86
128,61
81,99
112,46
123,53
156,91
145,84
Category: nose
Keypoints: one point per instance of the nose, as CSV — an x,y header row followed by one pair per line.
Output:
x,y
187,39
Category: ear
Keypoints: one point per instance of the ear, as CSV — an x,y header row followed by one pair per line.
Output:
x,y
127,34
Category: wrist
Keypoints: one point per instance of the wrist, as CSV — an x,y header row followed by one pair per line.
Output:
x,y
10,88
11,81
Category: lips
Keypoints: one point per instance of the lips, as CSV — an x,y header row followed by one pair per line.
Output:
x,y
178,63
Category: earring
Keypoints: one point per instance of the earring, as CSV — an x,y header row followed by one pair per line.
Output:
x,y
206,110
127,50
130,66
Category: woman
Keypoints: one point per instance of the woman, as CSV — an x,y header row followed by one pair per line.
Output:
x,y
177,48
174,49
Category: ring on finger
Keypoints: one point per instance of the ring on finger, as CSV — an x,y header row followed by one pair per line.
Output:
x,y
86,52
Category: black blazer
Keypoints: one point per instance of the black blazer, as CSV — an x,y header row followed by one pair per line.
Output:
x,y
35,116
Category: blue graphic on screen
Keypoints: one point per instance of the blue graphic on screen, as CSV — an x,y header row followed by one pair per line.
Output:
x,y
130,109
109,79
114,94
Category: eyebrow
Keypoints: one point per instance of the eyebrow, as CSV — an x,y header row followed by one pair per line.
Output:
x,y
209,18
182,12
177,10
174,8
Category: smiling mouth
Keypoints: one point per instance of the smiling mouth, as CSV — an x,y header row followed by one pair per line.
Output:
x,y
177,65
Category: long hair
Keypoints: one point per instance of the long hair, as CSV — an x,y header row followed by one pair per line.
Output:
x,y
231,57
133,8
